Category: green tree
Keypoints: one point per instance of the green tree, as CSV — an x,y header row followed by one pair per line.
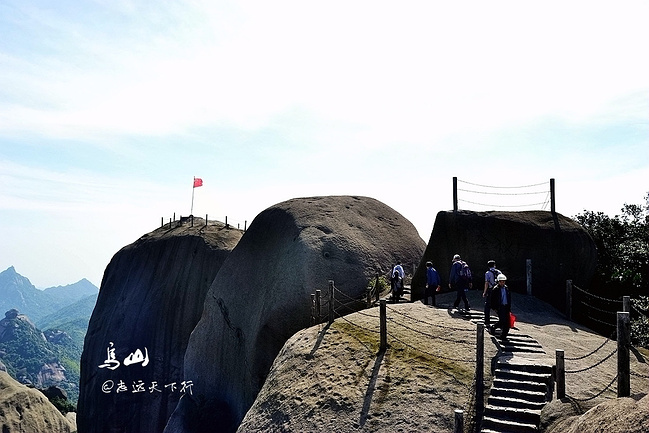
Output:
x,y
623,259
623,249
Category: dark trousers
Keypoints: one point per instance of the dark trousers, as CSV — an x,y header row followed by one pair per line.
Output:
x,y
428,293
461,295
487,308
503,319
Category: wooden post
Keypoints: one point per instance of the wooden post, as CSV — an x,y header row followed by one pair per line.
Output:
x,y
626,304
318,304
459,421
313,316
384,326
479,373
455,194
561,374
552,197
623,359
331,301
205,220
162,221
245,225
569,299
226,222
528,266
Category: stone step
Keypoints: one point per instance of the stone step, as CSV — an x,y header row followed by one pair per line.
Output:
x,y
520,394
522,342
527,376
519,385
522,415
490,424
522,348
524,366
515,402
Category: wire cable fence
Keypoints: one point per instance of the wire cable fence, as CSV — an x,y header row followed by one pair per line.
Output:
x,y
533,197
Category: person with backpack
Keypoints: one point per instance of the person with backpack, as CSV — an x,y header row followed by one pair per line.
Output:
x,y
396,281
433,283
502,301
489,283
460,281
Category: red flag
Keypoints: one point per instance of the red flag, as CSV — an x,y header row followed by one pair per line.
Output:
x,y
198,182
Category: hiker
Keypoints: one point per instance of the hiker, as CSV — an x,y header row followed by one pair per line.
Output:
x,y
489,283
460,281
396,281
502,300
433,283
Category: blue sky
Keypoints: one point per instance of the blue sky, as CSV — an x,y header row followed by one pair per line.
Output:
x,y
108,109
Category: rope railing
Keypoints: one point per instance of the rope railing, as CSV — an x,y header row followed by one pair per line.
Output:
x,y
342,300
592,295
427,323
600,362
640,312
433,356
590,353
623,367
607,387
417,331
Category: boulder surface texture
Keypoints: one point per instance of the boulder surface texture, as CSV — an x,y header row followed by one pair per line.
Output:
x,y
151,298
559,249
24,409
262,295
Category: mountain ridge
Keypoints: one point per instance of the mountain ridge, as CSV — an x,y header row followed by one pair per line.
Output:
x,y
17,291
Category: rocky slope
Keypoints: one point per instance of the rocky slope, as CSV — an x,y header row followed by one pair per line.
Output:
x,y
26,410
331,378
151,298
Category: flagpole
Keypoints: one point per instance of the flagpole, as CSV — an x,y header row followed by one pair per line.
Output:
x,y
191,212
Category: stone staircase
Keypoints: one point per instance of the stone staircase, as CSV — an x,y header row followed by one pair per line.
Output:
x,y
521,386
520,389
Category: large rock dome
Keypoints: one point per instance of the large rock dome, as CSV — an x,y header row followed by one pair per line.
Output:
x,y
559,249
262,295
151,298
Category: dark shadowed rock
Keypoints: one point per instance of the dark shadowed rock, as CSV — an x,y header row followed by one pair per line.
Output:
x,y
24,409
151,298
262,295
559,247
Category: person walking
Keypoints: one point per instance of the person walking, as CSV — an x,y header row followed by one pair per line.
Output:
x,y
503,299
396,279
489,283
460,281
433,283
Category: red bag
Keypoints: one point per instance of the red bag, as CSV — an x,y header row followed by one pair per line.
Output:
x,y
512,320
